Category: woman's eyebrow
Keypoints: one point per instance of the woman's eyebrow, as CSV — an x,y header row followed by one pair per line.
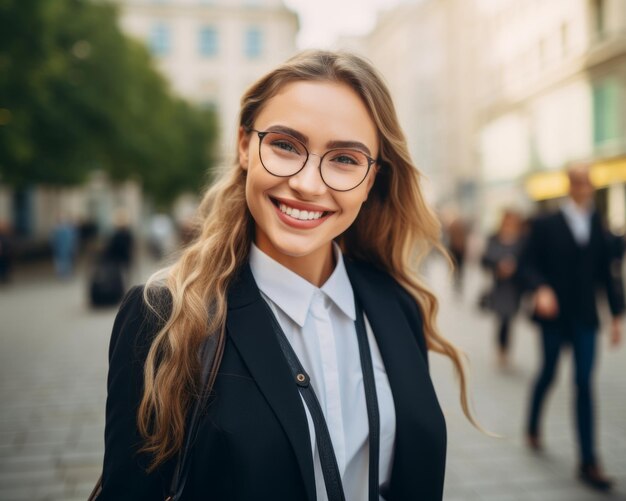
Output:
x,y
354,145
357,145
288,130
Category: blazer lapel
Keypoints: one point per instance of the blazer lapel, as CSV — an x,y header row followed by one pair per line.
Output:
x,y
407,372
250,328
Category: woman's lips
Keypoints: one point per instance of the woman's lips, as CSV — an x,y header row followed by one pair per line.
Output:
x,y
299,205
316,213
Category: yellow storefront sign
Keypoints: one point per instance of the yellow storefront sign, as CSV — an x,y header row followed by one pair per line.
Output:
x,y
554,184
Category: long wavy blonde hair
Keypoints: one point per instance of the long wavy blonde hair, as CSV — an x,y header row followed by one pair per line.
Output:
x,y
394,230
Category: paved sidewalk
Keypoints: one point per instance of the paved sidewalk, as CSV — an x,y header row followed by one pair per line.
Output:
x,y
53,362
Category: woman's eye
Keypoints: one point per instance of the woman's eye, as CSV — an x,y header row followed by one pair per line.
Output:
x,y
345,159
285,145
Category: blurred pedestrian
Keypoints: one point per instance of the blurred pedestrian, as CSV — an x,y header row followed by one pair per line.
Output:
x,y
120,246
64,241
6,252
567,256
457,236
316,224
111,273
161,235
88,232
501,258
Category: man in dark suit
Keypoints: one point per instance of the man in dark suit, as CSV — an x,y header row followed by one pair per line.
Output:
x,y
566,258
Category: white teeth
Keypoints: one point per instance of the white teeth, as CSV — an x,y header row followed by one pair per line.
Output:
x,y
302,215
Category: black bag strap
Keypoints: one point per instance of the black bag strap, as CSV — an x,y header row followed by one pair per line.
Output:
x,y
179,478
330,469
371,401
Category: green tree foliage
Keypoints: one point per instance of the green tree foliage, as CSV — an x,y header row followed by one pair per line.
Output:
x,y
77,95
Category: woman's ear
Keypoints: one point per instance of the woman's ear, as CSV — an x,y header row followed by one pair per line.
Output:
x,y
243,147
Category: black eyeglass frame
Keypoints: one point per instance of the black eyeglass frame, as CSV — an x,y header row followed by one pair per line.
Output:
x,y
262,134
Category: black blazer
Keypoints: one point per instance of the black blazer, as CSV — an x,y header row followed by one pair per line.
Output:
x,y
553,257
253,443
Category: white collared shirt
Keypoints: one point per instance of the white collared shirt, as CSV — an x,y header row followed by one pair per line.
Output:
x,y
319,324
579,221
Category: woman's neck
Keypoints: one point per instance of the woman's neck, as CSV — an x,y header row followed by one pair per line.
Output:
x,y
315,267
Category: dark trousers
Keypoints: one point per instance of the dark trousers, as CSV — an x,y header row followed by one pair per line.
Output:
x,y
504,328
583,342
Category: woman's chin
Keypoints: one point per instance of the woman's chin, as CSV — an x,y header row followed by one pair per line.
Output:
x,y
293,247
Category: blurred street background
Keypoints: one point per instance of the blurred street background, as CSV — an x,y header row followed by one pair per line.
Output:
x,y
115,115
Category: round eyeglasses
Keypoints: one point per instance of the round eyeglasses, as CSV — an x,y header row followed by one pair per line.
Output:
x,y
341,169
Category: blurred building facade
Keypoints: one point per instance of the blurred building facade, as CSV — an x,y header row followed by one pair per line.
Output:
x,y
211,50
499,97
427,52
552,94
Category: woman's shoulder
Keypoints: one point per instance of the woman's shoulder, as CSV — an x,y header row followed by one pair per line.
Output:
x,y
386,284
369,272
142,313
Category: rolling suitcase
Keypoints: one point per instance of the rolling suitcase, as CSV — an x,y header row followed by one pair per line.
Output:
x,y
106,286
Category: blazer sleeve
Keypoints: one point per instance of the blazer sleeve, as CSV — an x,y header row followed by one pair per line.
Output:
x,y
124,475
414,316
611,270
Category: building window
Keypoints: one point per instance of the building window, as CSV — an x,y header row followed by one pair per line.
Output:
x,y
606,109
599,18
208,41
565,39
253,44
160,40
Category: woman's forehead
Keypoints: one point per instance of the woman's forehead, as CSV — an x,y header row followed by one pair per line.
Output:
x,y
320,108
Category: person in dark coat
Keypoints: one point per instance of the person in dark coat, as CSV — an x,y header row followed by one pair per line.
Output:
x,y
119,249
566,258
501,258
6,252
457,236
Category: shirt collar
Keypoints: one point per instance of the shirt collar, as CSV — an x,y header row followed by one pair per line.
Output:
x,y
338,287
292,293
572,209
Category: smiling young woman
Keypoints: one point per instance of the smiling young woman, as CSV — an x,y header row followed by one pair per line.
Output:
x,y
303,275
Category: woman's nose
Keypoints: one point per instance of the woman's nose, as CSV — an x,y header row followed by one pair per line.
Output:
x,y
309,179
